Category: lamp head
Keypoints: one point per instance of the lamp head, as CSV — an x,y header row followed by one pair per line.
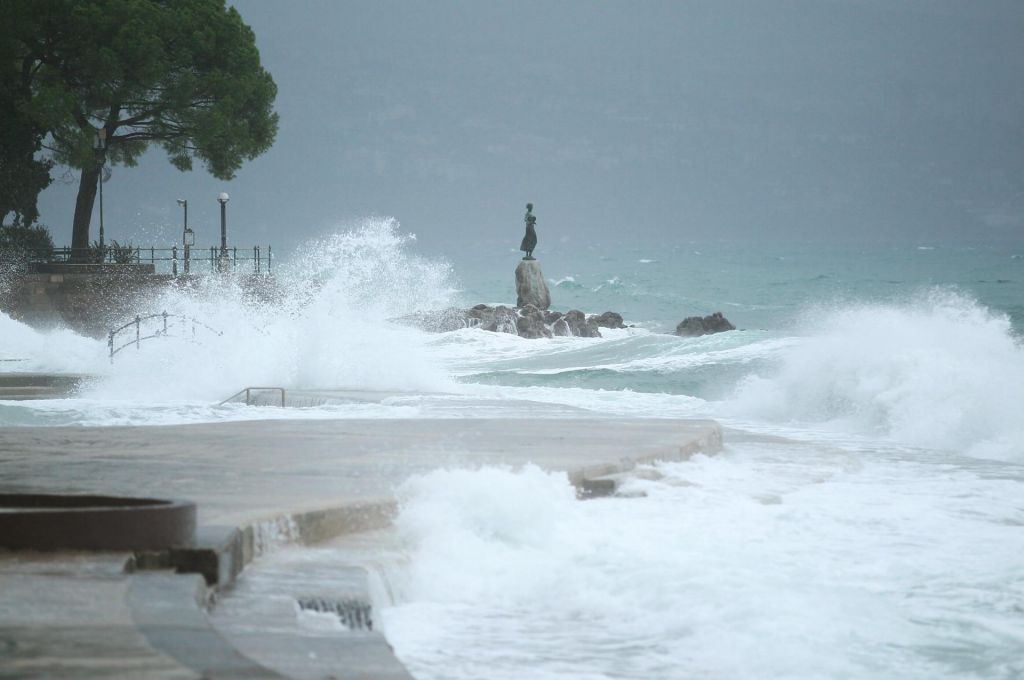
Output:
x,y
223,198
182,202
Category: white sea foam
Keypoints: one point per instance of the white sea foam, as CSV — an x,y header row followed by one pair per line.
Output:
x,y
565,282
24,349
938,371
326,327
773,560
613,283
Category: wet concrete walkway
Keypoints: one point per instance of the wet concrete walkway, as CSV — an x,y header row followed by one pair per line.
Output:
x,y
84,616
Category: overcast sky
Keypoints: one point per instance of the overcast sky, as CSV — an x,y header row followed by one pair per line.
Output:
x,y
660,121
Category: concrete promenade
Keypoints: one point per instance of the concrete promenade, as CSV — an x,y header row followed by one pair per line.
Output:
x,y
115,615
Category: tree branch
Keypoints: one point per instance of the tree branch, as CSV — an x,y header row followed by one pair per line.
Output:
x,y
145,136
138,119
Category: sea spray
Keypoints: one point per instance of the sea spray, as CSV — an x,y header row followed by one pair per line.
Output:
x,y
324,324
937,371
775,559
491,515
25,349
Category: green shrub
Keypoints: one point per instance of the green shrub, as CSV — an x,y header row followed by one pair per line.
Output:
x,y
114,252
122,254
97,253
34,242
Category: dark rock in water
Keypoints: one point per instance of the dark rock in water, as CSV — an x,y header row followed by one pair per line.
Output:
x,y
501,319
608,320
530,323
527,321
579,325
694,325
441,321
531,288
480,313
691,326
551,317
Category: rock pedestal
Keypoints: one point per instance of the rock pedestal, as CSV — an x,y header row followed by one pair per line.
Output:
x,y
531,288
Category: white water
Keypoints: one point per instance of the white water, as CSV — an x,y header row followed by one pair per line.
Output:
x,y
772,560
939,372
23,349
326,328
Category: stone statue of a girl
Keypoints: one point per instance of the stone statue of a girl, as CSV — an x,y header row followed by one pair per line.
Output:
x,y
530,239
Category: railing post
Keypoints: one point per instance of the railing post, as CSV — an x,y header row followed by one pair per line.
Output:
x,y
165,322
138,326
152,255
270,256
256,258
246,396
234,257
174,260
110,344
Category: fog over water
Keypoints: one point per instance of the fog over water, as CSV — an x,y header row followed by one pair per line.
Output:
x,y
654,121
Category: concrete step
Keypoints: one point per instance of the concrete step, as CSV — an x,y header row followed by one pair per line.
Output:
x,y
20,386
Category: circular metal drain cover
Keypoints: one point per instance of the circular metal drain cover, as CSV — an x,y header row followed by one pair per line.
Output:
x,y
52,522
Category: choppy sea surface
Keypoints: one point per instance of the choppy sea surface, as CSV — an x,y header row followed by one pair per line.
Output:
x,y
865,520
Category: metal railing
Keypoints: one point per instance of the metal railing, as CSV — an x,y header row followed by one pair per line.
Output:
x,y
248,396
174,260
161,330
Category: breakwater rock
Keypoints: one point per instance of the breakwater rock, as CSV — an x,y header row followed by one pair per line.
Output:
x,y
527,321
531,288
693,326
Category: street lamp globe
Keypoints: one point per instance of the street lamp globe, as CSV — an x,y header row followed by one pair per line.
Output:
x,y
223,198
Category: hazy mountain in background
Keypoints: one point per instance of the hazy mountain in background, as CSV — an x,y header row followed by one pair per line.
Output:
x,y
655,121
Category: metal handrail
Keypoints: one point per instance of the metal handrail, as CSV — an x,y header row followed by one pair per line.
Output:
x,y
248,400
159,333
259,260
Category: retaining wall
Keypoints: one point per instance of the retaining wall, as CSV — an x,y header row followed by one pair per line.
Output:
x,y
91,299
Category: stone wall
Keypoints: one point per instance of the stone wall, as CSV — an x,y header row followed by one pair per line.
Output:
x,y
88,299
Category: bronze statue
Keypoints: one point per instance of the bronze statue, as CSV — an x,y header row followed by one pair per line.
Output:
x,y
530,239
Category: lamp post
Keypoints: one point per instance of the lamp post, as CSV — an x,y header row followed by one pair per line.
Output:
x,y
101,149
188,237
223,200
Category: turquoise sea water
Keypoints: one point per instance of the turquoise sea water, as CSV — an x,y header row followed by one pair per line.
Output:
x,y
758,285
772,291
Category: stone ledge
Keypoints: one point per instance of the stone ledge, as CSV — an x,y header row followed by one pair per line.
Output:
x,y
58,268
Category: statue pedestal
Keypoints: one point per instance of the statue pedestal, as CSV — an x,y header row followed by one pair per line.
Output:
x,y
531,288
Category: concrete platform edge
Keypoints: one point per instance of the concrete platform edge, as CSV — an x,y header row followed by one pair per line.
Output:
x,y
221,553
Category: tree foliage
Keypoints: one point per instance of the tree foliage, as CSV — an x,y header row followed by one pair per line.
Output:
x,y
22,174
181,74
35,240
